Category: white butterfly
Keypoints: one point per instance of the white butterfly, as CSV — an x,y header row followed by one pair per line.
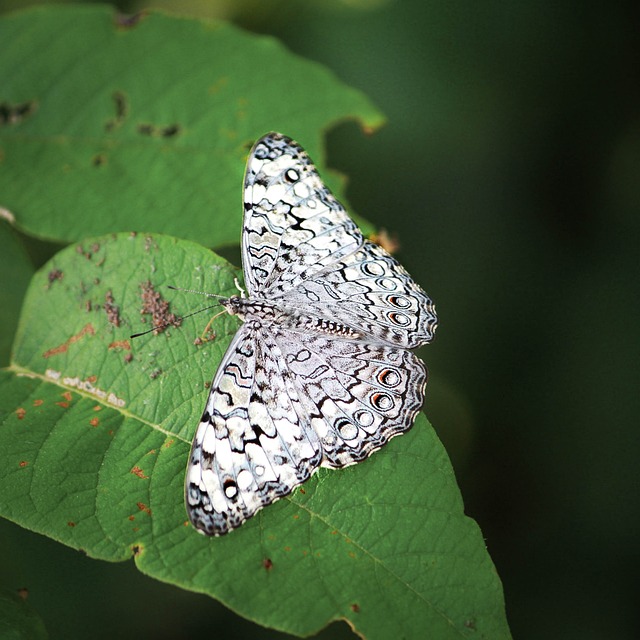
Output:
x,y
320,373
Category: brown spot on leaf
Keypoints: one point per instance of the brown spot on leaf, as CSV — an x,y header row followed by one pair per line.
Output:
x,y
121,108
97,407
302,490
37,403
168,131
128,358
111,309
92,379
53,275
137,471
143,507
94,422
132,518
86,330
23,593
154,305
88,254
137,549
267,563
21,412
155,373
168,443
355,607
71,524
80,250
23,463
67,396
120,344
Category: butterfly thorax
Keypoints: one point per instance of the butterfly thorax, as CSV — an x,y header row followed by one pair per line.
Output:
x,y
262,312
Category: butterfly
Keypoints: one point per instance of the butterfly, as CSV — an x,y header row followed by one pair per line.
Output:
x,y
321,372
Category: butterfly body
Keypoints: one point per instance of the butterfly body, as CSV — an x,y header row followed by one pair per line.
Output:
x,y
320,373
264,312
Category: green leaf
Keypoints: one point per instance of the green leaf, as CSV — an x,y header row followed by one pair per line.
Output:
x,y
145,125
18,621
95,431
16,269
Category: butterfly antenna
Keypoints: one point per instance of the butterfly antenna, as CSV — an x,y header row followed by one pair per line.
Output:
x,y
202,293
181,318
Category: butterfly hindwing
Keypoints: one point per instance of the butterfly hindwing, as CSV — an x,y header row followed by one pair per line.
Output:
x,y
358,395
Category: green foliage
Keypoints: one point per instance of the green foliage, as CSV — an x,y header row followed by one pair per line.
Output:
x,y
95,433
18,621
146,127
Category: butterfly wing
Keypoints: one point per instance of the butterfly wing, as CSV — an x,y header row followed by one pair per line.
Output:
x,y
358,395
254,443
286,400
301,248
284,403
293,225
370,292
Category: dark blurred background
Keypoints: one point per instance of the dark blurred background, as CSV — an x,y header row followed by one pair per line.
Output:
x,y
509,171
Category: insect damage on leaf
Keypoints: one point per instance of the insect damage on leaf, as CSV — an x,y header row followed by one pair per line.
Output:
x,y
154,305
11,114
88,329
111,309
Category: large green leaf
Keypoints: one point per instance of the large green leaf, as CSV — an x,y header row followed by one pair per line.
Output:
x,y
94,437
115,125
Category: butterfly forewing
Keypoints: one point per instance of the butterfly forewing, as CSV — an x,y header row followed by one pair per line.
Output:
x,y
292,223
320,374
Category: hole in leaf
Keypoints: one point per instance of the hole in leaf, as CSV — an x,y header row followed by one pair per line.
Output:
x,y
15,113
